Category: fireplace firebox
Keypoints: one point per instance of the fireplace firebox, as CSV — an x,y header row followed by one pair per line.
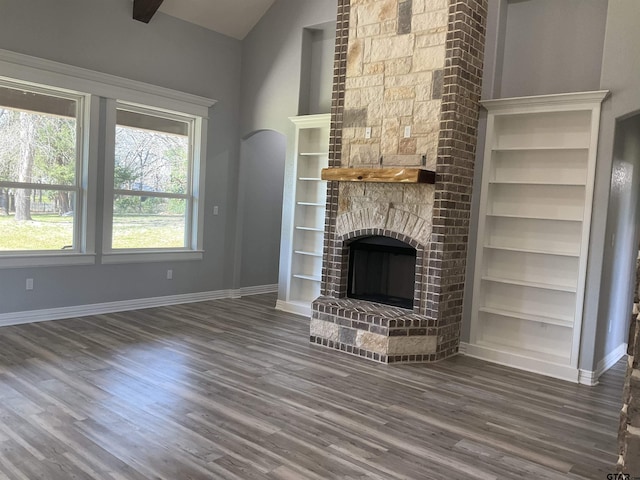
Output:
x,y
382,270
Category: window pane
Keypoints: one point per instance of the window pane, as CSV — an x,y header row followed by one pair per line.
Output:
x,y
37,138
148,222
149,155
36,219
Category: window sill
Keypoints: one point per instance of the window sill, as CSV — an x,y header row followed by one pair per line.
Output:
x,y
27,260
153,256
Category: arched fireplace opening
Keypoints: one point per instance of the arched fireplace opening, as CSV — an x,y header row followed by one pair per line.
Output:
x,y
382,270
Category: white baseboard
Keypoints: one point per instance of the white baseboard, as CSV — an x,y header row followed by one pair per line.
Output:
x,y
563,372
257,290
588,377
32,316
294,307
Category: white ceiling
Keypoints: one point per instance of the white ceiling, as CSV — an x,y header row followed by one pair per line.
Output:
x,y
234,18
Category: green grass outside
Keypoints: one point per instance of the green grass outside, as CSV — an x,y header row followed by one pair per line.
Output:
x,y
52,232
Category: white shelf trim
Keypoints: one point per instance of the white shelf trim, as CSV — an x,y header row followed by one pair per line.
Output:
x,y
296,307
310,254
558,320
312,154
557,101
311,278
539,149
530,250
523,283
532,217
311,204
520,360
311,179
530,182
310,229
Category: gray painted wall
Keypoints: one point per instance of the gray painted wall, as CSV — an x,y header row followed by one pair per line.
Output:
x,y
619,263
273,61
260,207
552,46
257,80
316,76
620,67
101,36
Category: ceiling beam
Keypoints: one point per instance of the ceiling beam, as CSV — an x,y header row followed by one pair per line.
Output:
x,y
144,10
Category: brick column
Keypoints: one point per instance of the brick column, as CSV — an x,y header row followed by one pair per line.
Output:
x,y
462,84
629,432
332,263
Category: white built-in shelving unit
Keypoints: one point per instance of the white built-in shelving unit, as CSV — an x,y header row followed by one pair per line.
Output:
x,y
304,216
533,231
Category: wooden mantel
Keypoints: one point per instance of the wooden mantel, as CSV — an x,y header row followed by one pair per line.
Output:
x,y
380,175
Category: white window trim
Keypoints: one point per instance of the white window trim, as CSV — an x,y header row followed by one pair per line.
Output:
x,y
28,69
84,220
46,72
193,251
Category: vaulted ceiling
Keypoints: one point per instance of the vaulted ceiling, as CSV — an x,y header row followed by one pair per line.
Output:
x,y
234,18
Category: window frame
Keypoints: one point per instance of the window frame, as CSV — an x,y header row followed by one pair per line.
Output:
x,y
194,217
83,251
98,87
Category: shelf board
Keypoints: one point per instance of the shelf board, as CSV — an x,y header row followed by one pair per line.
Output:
x,y
312,154
535,149
560,321
528,182
532,217
310,254
312,278
545,286
311,204
310,179
529,250
310,229
380,175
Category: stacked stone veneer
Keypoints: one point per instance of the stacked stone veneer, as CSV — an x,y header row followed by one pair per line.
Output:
x,y
629,432
402,63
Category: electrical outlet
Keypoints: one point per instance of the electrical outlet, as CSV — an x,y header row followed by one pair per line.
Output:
x,y
367,132
29,283
407,131
215,210
169,274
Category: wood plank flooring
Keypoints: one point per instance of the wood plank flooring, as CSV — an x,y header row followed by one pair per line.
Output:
x,y
231,389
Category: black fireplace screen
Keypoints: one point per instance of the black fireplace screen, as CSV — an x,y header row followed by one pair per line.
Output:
x,y
382,270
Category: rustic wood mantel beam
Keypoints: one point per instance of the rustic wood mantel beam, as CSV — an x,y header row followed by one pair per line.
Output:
x,y
144,10
379,175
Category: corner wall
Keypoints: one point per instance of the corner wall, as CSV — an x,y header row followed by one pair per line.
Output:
x,y
168,52
272,66
620,67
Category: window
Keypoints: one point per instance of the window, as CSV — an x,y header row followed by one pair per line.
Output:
x,y
50,131
42,195
152,184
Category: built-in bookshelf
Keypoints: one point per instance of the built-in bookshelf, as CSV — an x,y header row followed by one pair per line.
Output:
x,y
305,203
533,231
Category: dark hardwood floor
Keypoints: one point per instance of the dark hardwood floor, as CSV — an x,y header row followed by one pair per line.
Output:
x,y
231,389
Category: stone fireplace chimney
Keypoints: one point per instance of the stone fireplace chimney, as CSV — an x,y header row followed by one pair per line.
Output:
x,y
407,84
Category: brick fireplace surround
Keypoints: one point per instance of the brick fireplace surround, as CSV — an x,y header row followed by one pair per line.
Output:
x,y
402,63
